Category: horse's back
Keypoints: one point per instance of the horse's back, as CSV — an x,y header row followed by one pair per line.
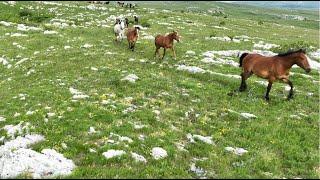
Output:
x,y
259,64
158,40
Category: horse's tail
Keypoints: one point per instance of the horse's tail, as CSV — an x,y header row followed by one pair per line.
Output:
x,y
242,57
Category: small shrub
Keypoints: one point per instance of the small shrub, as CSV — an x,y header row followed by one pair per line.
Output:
x,y
25,13
231,36
294,46
213,34
146,24
222,23
34,17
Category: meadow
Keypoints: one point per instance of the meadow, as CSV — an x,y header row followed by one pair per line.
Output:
x,y
63,78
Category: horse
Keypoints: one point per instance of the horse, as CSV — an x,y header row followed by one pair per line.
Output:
x,y
166,42
136,20
132,36
272,68
120,3
126,22
119,30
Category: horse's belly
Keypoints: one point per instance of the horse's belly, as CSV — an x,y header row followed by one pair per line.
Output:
x,y
262,73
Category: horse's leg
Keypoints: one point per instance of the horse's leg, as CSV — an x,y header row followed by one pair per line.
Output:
x,y
156,52
133,44
268,90
244,77
164,52
291,88
174,53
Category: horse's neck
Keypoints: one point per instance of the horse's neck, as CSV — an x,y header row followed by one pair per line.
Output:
x,y
289,61
170,38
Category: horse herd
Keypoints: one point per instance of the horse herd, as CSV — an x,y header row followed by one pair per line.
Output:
x,y
271,68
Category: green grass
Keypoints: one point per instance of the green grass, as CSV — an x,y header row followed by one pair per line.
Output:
x,y
278,145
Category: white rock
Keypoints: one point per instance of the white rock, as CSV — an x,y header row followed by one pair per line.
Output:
x,y
94,69
50,32
190,53
113,153
51,114
92,150
64,145
77,94
46,164
16,114
124,138
263,45
219,38
237,151
18,35
240,151
87,45
158,153
138,158
198,171
248,115
30,112
230,149
5,23
2,119
67,47
80,96
191,69
131,78
92,130
16,129
138,126
206,139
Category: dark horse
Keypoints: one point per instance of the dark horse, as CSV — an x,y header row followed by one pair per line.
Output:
x,y
166,42
136,20
272,68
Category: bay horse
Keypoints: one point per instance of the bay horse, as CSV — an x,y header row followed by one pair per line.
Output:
x,y
272,68
166,42
132,36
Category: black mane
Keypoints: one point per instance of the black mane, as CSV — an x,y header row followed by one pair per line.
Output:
x,y
291,52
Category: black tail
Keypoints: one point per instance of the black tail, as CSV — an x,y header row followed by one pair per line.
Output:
x,y
242,57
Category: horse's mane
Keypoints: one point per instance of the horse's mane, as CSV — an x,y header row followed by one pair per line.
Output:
x,y
291,52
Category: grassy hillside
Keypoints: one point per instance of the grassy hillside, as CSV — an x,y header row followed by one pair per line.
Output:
x,y
282,141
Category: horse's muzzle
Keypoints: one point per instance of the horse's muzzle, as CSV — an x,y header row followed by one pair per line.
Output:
x,y
308,70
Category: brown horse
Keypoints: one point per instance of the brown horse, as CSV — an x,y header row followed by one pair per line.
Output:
x,y
272,68
132,36
166,42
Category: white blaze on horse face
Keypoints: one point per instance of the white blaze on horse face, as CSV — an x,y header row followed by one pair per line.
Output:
x,y
122,24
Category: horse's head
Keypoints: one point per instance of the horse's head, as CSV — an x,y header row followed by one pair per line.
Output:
x,y
122,25
302,60
137,27
175,36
